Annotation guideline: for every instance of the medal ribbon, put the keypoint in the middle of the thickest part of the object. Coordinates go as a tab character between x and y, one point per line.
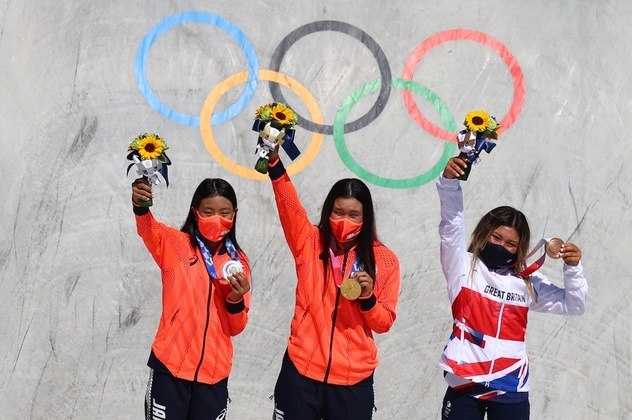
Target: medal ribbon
335	264
538	263
208	259
230	247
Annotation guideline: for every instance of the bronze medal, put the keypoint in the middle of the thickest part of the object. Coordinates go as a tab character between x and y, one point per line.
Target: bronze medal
553	247
350	289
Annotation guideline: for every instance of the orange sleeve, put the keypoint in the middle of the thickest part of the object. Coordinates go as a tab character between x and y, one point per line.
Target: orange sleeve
161	241
237	320
297	228
381	316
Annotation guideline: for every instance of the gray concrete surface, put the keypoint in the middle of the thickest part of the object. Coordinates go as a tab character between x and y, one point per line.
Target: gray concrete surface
80	295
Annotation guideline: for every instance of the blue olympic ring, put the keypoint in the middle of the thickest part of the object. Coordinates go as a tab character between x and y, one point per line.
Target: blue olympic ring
340	126
197	17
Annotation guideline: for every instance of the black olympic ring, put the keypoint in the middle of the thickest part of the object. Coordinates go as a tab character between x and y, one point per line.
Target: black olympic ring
359	34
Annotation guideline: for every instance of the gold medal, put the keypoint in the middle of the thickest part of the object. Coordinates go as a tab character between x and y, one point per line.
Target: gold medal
553	247
350	289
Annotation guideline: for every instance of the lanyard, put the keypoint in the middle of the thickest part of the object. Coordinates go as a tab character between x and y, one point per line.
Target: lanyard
208	259
335	265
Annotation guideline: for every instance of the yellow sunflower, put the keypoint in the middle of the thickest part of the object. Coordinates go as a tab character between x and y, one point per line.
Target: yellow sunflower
150	146
283	114
477	120
263	112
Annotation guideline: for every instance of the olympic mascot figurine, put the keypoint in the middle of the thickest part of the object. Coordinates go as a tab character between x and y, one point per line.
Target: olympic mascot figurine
481	130
274	124
147	152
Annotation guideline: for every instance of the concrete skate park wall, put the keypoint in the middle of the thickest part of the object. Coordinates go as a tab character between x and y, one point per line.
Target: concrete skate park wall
381	88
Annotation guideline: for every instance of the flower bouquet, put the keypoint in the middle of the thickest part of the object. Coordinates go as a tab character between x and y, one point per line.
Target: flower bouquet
481	130
274	124
147	152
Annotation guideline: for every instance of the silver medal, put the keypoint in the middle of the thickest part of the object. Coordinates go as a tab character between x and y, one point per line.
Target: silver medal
231	267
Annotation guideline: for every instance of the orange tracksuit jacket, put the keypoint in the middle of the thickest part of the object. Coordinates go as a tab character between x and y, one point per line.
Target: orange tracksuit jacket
331	338
194	335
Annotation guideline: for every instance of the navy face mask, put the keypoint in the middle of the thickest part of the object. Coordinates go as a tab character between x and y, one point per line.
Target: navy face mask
496	256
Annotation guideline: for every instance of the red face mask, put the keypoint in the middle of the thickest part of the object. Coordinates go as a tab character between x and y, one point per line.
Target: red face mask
344	230
214	228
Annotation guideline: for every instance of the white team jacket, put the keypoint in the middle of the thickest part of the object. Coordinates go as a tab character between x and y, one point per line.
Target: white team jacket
487	344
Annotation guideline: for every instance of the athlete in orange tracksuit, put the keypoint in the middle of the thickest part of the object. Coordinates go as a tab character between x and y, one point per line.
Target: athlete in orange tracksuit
202	307
327	371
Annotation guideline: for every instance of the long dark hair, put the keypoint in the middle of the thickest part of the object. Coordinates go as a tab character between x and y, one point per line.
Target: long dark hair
502	216
210	187
351	188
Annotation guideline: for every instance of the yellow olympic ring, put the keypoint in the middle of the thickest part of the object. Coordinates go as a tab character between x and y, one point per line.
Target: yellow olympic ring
224	86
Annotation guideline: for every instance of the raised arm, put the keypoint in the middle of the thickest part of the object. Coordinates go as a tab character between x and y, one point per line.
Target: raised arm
297	228
453	250
158	237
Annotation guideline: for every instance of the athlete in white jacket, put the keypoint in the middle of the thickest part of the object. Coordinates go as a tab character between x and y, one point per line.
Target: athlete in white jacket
485	360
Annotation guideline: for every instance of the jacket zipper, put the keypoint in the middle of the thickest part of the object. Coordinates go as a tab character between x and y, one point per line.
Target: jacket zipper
333	322
500	321
208	317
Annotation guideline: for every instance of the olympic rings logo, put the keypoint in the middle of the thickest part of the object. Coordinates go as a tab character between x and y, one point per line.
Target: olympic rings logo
315	123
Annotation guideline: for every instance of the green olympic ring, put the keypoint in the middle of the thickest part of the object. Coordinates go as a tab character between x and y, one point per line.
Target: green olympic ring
341	116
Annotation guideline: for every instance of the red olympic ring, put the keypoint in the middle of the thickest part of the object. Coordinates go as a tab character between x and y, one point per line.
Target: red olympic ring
469	35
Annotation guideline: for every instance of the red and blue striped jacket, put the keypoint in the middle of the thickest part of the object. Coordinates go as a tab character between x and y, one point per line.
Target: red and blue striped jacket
487	344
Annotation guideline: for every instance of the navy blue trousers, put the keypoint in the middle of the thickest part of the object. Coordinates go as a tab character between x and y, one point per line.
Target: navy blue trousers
297	397
171	398
460	406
